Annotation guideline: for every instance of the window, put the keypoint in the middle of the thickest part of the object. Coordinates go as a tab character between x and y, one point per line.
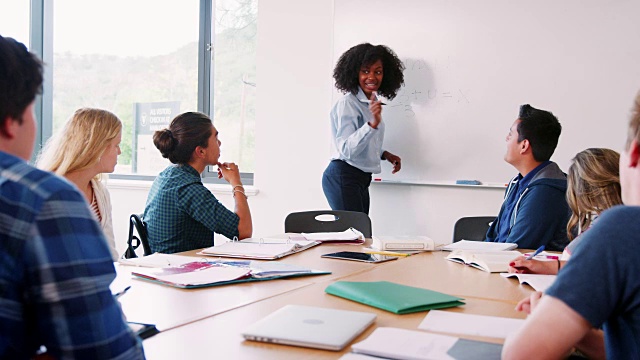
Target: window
14	20
147	61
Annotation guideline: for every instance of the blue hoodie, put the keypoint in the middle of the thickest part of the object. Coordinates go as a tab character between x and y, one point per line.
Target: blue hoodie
540	214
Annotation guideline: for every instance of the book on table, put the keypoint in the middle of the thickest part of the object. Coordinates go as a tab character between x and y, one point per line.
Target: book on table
489	261
259	248
389	296
197	274
538	282
479	246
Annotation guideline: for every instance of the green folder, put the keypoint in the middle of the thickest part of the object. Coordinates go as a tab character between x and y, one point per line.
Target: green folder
396	298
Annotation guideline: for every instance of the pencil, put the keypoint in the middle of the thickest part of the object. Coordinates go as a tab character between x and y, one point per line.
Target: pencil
390	253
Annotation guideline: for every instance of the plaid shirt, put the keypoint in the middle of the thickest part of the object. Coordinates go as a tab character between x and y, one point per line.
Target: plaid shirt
55	271
181	214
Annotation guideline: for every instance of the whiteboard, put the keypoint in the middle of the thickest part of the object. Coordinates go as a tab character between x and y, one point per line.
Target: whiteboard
470	65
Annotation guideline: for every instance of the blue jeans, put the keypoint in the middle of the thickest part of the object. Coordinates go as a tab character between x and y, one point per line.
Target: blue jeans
346	187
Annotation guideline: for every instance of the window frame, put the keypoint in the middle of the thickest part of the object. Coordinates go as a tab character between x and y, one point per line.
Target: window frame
41	43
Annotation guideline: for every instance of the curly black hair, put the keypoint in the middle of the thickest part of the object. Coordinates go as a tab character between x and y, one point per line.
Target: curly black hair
347	70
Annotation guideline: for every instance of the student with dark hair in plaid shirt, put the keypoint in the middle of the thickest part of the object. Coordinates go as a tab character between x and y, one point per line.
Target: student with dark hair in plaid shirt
181	214
55	265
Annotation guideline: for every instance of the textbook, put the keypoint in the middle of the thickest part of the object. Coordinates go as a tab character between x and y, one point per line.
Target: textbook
392	297
394	343
538	282
489	261
199	274
262	249
479	246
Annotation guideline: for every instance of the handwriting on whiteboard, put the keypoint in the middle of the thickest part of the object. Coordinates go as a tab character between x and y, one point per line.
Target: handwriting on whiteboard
420	87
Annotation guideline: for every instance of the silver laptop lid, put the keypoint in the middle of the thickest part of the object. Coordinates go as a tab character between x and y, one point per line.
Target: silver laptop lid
310	326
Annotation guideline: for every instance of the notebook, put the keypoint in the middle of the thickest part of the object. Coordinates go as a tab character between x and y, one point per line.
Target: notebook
489	261
198	274
537	281
479	246
310	326
263	249
396	298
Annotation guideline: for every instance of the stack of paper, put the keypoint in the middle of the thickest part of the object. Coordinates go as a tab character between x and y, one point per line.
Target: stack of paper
350	235
393	343
468	324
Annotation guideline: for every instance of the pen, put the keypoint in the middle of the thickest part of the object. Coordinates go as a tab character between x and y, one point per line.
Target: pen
124	291
390	253
536	252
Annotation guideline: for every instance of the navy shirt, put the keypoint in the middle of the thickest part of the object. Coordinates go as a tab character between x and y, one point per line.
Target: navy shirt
607	257
519	184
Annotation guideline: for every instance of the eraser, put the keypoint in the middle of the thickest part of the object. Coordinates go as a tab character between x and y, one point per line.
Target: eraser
468	182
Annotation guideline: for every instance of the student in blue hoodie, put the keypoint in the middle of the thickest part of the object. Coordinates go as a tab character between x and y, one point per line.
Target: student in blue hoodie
535	210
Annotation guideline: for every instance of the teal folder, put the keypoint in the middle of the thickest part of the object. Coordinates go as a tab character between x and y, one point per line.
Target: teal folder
396	298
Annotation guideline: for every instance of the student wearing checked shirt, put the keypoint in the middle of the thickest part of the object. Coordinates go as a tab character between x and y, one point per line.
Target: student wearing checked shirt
55	264
181	214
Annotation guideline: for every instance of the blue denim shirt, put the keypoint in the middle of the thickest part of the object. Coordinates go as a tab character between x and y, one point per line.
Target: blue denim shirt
354	141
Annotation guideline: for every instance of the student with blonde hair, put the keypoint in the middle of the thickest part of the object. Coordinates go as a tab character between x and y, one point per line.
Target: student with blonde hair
87	147
56	268
593	187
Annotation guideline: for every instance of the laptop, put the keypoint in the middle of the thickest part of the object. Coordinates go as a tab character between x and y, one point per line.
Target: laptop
310	326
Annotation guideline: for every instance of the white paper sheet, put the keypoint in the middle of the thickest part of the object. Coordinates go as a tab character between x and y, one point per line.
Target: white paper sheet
468	324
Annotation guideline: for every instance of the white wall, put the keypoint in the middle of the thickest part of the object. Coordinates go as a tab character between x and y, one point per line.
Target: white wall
293	138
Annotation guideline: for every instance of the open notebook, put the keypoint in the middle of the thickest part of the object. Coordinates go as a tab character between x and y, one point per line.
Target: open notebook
263	249
538	282
489	261
479	246
197	274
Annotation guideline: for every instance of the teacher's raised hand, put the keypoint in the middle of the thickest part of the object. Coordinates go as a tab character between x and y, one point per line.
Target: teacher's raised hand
375	106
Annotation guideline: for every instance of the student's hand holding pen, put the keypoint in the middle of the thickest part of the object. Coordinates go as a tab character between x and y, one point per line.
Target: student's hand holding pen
521	265
375	106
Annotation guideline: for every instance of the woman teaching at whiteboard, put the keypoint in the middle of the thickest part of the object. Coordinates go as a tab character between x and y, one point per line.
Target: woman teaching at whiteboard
362	72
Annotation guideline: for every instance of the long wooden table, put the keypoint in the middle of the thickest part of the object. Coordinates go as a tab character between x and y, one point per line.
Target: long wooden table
168	307
208	322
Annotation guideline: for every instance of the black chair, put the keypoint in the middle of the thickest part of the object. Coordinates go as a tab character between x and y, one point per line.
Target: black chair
472	228
308	222
136	224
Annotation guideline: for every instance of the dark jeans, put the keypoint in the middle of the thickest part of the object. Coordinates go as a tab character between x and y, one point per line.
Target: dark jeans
346	187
